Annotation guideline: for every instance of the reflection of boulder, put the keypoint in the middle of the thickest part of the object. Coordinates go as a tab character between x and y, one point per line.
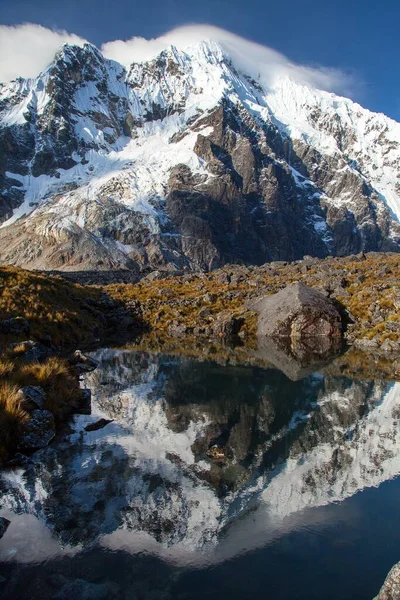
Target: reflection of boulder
298	358
297	311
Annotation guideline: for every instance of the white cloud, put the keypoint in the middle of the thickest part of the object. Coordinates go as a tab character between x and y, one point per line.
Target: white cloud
27	49
254	59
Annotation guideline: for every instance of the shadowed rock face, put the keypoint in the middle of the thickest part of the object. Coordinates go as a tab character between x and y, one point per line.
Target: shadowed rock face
138	170
297	311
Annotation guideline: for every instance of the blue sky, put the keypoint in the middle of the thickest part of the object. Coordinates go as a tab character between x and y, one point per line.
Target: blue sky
361	37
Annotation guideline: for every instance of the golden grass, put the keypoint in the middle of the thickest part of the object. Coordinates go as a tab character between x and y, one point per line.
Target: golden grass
47	372
6	367
12	417
182	299
18	350
58	380
52	305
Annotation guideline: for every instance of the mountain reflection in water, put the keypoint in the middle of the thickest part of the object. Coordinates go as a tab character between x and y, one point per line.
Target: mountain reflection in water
202	463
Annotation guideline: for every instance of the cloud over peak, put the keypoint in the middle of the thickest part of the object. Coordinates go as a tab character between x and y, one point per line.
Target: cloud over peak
257	60
27	49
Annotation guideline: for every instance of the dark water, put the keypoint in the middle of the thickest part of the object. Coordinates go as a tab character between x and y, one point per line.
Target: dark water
211	482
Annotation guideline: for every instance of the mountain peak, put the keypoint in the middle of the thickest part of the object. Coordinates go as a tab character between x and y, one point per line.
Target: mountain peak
196	157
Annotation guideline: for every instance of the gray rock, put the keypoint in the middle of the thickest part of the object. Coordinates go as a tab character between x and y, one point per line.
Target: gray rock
4	523
227	326
391	588
16	325
366	344
297	311
33	397
390	347
34	350
39	430
177	329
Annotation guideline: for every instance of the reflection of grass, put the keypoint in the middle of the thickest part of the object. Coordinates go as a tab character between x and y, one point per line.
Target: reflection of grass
364	365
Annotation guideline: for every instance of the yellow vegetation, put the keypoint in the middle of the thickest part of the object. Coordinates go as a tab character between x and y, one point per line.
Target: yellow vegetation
12	417
183	299
52	305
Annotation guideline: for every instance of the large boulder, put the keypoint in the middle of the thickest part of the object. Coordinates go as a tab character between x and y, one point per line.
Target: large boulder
297	311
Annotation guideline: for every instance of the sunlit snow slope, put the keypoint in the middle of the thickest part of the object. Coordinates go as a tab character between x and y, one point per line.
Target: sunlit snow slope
185	162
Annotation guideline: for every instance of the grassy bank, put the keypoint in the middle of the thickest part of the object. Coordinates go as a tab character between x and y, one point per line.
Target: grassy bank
368	287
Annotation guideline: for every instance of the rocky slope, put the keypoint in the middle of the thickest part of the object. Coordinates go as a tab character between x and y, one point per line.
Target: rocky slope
183	162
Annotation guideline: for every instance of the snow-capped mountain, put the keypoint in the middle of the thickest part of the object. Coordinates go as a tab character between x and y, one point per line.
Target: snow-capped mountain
185	162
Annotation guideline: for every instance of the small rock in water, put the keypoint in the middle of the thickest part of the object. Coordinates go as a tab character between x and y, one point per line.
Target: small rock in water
98	424
83	362
217	453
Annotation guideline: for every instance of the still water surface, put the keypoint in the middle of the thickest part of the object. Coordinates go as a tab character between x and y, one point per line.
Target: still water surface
211	482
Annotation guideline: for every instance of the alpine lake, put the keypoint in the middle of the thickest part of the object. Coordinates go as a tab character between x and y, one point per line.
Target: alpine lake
198	478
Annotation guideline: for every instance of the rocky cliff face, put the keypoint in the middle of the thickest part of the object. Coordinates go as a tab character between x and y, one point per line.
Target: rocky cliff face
184	162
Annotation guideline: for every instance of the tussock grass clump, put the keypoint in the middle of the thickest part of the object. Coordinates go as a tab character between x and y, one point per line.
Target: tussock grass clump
47	372
56	377
12	417
6	367
18	350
